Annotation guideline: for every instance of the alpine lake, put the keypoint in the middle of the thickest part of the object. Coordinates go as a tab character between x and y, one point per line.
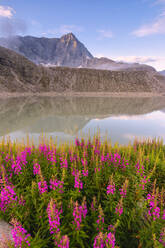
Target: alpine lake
119	119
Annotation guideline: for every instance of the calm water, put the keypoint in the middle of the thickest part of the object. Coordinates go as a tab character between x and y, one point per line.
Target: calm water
65	118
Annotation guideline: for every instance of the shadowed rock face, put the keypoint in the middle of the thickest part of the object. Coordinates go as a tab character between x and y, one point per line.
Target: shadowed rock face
17	73
67	114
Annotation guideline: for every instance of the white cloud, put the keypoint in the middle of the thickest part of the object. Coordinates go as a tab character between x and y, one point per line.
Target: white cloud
105	33
137	59
157	116
156	27
6	11
63	29
158	62
160	2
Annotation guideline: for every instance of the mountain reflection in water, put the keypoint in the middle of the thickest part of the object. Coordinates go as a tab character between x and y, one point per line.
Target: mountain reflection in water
66	117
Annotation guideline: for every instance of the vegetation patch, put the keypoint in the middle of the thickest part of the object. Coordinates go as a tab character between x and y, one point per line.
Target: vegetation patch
88	194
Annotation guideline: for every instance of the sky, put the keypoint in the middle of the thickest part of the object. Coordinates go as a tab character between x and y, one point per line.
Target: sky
123	30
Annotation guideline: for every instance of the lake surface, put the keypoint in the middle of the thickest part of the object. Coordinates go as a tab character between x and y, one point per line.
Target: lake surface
65	118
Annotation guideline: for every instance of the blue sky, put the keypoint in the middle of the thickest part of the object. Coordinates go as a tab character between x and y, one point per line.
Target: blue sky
129	30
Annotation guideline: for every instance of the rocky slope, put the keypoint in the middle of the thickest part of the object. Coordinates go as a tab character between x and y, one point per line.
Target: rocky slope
18	74
65	51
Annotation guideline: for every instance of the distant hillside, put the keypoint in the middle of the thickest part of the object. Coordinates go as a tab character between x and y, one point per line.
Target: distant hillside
162	72
65	51
18	74
108	64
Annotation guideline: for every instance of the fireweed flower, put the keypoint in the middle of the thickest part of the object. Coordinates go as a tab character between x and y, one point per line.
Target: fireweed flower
42	186
143	182
139	169
20	162
54	217
153	210
20	236
119	207
79	212
51	156
55	185
110	240
163	217
111	189
123	190
7	197
36	169
84	170
111	186
84	208
43	149
100	220
78	183
99	241
162	237
21	201
77	142
63	163
64	242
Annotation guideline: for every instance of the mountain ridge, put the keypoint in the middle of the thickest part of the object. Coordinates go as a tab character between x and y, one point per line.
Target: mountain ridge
65	51
18	74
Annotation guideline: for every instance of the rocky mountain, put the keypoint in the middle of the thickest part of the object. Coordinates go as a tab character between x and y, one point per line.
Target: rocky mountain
65	51
18	74
162	72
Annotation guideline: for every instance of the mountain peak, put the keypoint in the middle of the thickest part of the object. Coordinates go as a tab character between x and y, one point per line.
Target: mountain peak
69	36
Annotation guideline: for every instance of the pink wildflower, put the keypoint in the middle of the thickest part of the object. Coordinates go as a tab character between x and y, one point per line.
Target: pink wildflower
20	236
110	240
54	217
99	241
78	183
36	169
7	197
42	186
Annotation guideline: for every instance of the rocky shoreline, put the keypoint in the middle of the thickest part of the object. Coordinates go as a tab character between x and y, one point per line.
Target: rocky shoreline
81	94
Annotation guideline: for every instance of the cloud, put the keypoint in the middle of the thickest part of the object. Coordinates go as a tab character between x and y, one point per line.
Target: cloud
8	24
157	62
10	27
105	33
137	59
160	2
63	29
6	11
157	27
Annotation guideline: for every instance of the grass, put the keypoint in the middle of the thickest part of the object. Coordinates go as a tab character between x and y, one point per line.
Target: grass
87	194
